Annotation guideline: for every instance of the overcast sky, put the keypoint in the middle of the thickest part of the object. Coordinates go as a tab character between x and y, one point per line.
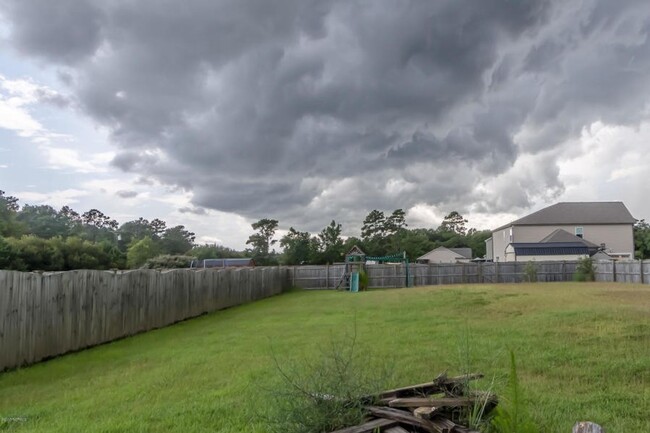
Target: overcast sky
214	114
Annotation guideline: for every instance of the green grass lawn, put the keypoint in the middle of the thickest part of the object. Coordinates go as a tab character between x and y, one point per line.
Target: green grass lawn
583	353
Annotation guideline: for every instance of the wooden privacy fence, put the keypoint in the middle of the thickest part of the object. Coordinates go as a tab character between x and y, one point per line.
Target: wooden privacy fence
44	315
389	275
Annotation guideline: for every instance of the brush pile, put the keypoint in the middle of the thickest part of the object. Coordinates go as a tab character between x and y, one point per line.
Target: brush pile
434	407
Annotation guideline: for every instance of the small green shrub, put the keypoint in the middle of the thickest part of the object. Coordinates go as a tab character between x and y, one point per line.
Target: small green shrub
167	261
530	272
363	279
586	270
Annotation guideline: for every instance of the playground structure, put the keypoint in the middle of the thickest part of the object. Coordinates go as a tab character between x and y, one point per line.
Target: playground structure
355	262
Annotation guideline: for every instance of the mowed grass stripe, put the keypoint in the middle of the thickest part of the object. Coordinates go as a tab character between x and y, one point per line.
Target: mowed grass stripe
583	352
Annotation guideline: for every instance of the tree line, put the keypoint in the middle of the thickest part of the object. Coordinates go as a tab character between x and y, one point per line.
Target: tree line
40	237
380	235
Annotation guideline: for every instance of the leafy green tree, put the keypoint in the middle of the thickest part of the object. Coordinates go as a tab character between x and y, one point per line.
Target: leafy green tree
642	239
133	231
476	241
158	227
6	254
33	253
97	226
297	247
395	222
207	251
83	254
262	240
331	243
8	210
374	225
396	230
177	240
141	251
373	233
416	243
43	221
72	220
454	223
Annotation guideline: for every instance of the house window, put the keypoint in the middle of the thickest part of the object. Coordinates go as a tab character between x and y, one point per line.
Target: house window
579	232
510	234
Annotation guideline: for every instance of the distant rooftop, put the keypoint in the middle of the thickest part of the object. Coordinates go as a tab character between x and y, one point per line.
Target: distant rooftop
563	236
569	213
465	252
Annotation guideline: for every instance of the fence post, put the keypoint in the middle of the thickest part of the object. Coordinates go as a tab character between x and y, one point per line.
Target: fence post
480	272
614	270
564	270
496	272
463	280
641	269
327	276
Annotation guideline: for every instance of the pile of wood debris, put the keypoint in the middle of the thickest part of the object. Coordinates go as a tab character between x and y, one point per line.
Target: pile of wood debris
433	407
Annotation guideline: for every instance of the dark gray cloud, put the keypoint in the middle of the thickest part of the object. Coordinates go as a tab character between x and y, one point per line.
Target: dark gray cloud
62	31
193	210
304	110
126	194
49	97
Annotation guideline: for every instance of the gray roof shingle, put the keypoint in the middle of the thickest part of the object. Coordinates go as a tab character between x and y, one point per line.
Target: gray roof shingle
465	252
595	212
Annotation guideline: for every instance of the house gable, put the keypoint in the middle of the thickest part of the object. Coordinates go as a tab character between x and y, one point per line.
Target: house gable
446	255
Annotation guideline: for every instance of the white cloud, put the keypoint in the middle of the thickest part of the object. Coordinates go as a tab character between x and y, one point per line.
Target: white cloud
60	158
56	199
612	164
16	97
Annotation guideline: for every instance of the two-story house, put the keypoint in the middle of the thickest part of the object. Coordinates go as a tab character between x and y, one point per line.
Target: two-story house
577	229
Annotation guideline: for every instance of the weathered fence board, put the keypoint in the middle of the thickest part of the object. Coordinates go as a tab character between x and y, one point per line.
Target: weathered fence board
45	315
394	275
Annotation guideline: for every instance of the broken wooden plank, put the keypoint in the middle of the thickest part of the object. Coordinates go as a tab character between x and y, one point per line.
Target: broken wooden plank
369	427
450	426
432	402
403	417
441	384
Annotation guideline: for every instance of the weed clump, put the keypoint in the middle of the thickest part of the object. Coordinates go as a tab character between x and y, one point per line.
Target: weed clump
513	416
586	270
327	393
530	272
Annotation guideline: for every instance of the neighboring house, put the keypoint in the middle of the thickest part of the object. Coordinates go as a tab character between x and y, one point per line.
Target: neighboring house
223	263
565	231
559	245
446	255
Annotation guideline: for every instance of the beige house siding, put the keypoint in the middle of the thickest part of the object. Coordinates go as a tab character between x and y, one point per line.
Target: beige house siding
443	255
489	250
618	238
500	240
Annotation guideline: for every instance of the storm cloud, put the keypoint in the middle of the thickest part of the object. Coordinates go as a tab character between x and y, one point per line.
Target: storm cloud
308	110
